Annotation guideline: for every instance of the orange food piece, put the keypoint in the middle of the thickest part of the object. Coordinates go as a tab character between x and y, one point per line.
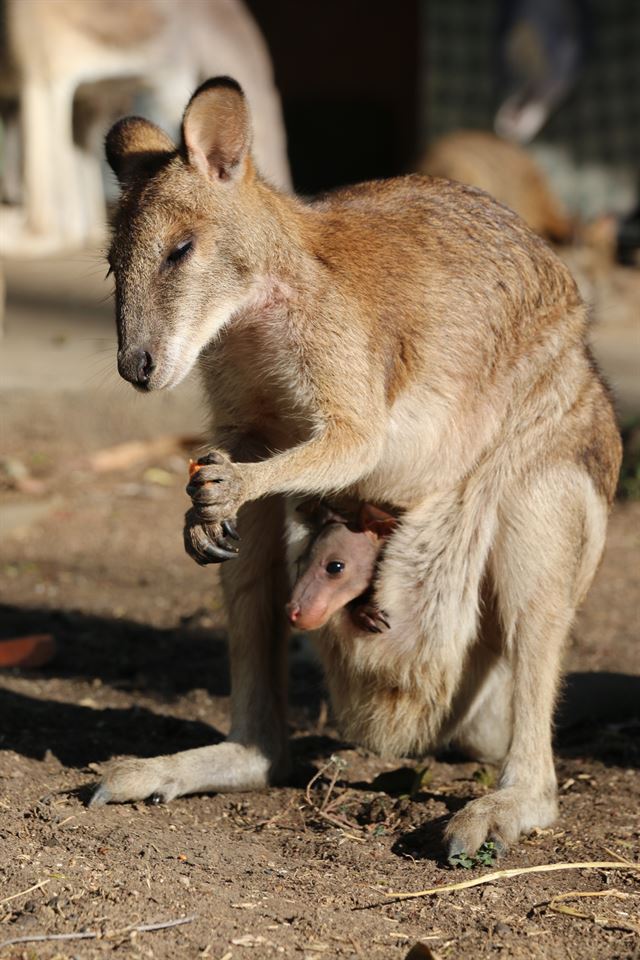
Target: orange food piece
31	651
194	466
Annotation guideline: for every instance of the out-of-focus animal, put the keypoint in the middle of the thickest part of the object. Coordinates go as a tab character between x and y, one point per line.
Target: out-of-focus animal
64	57
541	50
589	249
612	293
504	170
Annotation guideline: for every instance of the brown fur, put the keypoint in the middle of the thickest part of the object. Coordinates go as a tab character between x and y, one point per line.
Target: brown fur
411	343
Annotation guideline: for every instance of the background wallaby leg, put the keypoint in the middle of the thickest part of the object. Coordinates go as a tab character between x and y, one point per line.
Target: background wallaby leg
545	555
256	752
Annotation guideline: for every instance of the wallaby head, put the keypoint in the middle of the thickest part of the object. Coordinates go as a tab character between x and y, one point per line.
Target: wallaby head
185	249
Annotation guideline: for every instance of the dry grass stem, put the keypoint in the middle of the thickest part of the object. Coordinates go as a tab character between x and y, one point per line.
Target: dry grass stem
322	810
23	893
555	905
515	872
96	935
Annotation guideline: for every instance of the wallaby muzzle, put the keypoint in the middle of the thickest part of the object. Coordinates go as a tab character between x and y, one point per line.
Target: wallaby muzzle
136	365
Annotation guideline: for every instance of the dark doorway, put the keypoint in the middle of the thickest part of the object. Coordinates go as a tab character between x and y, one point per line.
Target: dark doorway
347	71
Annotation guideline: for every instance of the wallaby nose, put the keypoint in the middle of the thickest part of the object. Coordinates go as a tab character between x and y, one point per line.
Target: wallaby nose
293	612
136	365
145	367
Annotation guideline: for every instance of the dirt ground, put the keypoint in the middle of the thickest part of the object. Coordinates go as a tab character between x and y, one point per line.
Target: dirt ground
141	669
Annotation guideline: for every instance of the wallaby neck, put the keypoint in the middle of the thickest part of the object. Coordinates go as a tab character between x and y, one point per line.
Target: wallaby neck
289	239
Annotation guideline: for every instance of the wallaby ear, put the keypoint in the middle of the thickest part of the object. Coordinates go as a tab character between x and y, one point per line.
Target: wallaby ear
216	129
376	521
135	147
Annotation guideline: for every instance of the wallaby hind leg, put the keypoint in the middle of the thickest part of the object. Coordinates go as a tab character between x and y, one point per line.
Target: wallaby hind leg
256	752
484	733
546	552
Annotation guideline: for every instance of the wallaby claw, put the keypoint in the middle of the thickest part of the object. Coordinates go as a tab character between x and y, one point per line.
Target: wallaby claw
371	619
217	552
229	530
206	542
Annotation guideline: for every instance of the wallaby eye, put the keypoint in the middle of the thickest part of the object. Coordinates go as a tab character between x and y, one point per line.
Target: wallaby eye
334	568
180	252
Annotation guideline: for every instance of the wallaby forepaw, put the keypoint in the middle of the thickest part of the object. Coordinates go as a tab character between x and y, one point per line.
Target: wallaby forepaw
216	488
368	617
209	542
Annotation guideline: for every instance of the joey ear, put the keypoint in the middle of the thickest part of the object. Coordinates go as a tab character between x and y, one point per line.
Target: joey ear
216	129
376	521
318	513
135	146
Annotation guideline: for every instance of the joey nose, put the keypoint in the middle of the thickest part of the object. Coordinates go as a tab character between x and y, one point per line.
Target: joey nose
293	612
136	365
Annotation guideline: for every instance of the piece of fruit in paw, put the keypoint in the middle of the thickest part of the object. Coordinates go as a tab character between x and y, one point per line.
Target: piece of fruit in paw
194	466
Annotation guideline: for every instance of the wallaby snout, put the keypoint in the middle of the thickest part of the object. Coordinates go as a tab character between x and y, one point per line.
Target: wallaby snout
136	365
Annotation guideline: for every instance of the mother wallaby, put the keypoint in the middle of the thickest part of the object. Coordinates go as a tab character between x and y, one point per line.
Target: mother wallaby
407	342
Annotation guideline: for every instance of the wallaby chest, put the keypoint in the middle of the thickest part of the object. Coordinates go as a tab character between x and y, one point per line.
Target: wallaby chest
253	382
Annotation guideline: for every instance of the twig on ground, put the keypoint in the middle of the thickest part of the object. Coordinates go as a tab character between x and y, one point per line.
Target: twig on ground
338	801
96	935
620	856
163	925
263	824
307	790
571	894
22	893
322	810
343	825
514	872
338	767
555	905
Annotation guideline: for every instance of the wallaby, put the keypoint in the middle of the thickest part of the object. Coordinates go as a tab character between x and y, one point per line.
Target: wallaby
405	342
336	570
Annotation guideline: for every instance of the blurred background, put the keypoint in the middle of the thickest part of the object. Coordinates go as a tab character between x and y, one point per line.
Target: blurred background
536	101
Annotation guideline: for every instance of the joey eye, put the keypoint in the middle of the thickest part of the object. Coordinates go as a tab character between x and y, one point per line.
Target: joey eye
334	568
179	252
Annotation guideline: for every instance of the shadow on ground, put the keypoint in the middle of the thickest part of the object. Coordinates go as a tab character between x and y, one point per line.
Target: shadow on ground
123	653
129	655
78	735
595	717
